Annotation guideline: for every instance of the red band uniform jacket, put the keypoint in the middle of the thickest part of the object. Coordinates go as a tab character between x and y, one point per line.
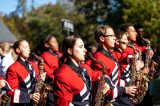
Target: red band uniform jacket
51	62
124	66
21	77
142	49
112	72
73	85
125	69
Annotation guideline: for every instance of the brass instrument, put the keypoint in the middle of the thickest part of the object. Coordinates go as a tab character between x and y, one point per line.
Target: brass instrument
4	100
148	43
147	60
100	97
138	79
40	86
152	69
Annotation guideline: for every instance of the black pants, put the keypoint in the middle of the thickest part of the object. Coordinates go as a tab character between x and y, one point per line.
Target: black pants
124	100
50	99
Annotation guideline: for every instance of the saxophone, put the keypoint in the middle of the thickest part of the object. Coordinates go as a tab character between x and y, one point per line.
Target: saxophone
147	62
152	69
40	86
138	79
100	97
4	100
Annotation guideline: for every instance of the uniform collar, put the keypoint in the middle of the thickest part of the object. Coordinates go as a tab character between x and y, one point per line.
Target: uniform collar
53	53
106	53
100	49
72	65
22	61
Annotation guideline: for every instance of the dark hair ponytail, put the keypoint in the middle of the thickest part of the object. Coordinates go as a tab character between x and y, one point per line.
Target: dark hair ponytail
17	44
67	43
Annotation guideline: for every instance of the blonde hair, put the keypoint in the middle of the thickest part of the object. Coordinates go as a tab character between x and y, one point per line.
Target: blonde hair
101	30
5	46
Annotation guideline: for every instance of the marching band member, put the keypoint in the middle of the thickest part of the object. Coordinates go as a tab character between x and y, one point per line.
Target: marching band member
132	37
120	47
48	50
21	76
124	67
141	41
2	81
105	36
7	57
73	81
51	55
143	48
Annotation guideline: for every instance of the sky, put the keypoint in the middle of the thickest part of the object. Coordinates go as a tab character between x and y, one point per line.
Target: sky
7	6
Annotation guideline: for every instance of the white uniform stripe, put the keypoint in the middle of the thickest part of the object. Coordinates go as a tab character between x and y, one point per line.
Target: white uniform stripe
127	68
86	98
116	83
127	75
83	90
122	83
110	80
70	104
128	79
115	93
27	78
16	96
112	100
34	74
115	69
29	91
114	77
28	85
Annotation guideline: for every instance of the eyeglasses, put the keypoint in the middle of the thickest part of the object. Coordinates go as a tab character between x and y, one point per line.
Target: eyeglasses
109	35
122	42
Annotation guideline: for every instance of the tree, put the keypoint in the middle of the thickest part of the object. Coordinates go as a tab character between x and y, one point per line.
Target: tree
46	20
98	12
21	8
145	12
116	12
43	21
